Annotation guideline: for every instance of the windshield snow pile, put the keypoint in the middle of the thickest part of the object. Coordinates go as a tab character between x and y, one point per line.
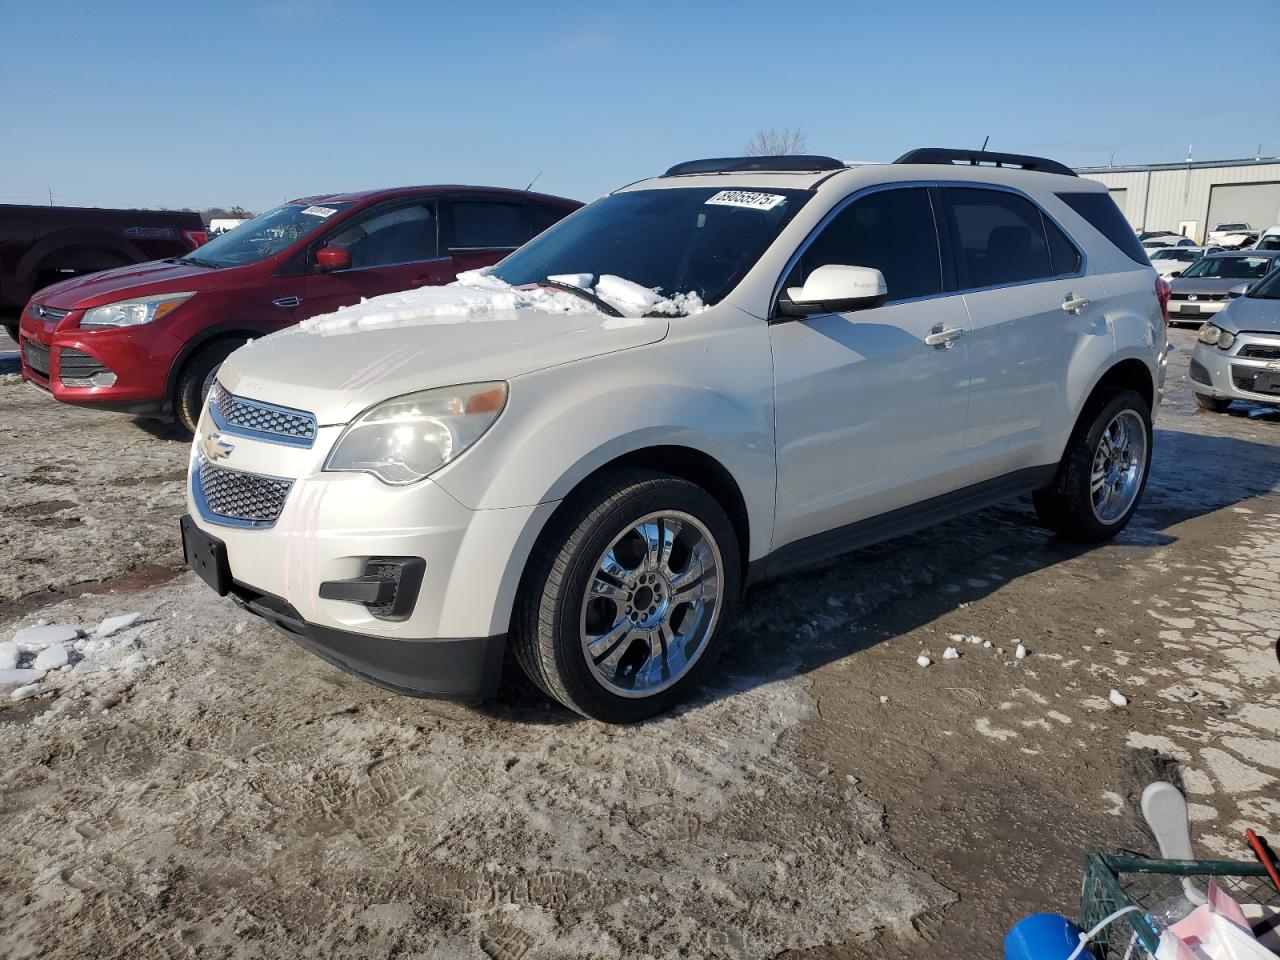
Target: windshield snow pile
478	296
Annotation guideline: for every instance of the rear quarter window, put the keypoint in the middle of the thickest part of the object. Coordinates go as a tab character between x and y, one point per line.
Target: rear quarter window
1105	217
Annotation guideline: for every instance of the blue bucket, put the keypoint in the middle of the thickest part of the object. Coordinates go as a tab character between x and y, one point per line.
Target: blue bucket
1043	936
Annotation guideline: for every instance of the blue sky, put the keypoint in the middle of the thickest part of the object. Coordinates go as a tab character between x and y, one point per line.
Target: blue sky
187	104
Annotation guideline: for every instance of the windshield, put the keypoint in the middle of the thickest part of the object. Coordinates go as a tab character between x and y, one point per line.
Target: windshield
687	240
265	235
1233	226
1270	242
1268	289
1183	254
1229	268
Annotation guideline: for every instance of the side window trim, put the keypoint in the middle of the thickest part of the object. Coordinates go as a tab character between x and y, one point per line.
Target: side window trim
839	208
1082	266
432	200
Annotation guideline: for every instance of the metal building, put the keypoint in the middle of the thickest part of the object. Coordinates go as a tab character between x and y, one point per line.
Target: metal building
1193	197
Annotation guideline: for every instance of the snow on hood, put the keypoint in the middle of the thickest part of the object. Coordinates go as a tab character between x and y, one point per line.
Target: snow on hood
477	296
477	330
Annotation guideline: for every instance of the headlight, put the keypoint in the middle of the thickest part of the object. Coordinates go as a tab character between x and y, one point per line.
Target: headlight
1209	334
1225	340
132	313
413	436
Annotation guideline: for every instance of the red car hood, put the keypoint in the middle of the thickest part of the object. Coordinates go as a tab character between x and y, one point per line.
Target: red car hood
135	280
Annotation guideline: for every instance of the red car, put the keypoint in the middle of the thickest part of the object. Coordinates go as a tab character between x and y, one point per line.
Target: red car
146	339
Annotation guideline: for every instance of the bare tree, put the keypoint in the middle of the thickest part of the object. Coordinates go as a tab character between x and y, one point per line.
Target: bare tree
776	143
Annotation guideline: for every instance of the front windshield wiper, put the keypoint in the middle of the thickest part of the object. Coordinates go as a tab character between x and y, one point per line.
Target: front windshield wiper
602	305
199	262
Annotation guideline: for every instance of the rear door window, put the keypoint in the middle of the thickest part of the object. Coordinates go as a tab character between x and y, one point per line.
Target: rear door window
488	224
1001	238
890	230
1105	217
543	215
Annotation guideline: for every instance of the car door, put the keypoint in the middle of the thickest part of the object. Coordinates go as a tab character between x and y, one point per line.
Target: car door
868	416
1032	309
393	246
483	230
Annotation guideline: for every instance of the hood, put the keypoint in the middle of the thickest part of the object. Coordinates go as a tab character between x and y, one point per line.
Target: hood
135	280
1206	284
338	373
1250	313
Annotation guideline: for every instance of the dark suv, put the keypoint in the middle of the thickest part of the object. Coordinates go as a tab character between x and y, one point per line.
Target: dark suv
145	339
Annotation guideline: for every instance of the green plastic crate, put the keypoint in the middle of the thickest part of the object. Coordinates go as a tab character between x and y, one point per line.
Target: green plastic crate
1114	880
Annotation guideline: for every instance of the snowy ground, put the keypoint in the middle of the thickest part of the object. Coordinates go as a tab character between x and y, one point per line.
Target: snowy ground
192	783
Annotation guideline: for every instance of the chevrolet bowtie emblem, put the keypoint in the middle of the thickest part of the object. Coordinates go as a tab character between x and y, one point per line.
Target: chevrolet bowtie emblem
215	448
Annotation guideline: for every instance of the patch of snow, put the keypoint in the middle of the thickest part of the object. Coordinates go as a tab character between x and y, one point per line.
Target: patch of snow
52	657
35	639
8	656
30	690
1020	652
923	660
951	653
113	625
884	699
19	678
1118	699
984	727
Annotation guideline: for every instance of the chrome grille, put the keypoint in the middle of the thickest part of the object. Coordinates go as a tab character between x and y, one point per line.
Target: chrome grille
249	498
1202	297
48	313
262	420
37	356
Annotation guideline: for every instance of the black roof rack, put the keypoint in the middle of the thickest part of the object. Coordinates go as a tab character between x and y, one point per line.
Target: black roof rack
788	163
976	157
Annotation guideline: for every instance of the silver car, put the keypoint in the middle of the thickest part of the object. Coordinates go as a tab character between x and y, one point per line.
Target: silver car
1237	356
1203	289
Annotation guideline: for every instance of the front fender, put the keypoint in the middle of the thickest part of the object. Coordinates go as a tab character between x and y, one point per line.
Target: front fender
711	392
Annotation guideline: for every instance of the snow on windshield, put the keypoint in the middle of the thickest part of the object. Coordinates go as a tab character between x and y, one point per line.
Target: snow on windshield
478	296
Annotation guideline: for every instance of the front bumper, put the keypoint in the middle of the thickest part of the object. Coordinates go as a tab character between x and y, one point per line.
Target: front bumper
456	669
1194	311
1241	373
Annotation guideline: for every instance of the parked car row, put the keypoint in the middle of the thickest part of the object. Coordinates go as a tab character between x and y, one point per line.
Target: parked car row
146	338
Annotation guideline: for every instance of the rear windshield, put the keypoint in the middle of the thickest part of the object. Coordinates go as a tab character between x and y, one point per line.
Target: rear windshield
266	234
1101	211
1230	268
682	240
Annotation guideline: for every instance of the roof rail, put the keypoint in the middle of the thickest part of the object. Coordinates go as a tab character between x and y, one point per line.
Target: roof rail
976	157
788	163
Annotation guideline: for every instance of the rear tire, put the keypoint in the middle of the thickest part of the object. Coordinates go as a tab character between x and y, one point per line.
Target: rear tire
627	596
1104	471
1212	404
196	379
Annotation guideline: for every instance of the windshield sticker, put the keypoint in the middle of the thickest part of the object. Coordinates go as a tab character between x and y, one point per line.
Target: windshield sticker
746	198
319	212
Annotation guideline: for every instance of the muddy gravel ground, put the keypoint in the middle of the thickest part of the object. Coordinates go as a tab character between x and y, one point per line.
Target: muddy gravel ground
192	784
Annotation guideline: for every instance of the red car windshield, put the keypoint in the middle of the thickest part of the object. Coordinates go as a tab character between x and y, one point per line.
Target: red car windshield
266	234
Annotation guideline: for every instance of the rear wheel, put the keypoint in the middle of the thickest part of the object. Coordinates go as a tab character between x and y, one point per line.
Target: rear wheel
1104	470
196	380
628	596
1212	404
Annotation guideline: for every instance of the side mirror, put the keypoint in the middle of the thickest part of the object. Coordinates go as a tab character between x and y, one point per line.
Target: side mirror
329	259
1239	290
835	288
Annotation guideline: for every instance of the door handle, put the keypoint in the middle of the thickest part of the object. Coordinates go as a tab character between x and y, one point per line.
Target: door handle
942	337
1075	305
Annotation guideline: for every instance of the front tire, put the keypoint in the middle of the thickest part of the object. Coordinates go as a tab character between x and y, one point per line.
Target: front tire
1212	404
196	379
628	595
1104	471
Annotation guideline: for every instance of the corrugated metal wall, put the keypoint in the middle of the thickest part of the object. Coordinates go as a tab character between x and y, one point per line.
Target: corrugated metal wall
1172	196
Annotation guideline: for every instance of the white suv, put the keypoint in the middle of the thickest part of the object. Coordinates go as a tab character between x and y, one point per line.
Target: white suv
584	455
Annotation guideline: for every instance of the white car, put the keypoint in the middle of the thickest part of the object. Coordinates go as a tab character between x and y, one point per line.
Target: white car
1232	235
585	454
1171	261
1167	241
1270	239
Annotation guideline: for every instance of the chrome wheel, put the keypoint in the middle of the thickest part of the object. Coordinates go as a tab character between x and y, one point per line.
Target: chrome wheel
652	604
1118	466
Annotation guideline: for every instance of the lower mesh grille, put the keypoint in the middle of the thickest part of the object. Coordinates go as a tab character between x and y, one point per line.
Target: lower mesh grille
37	356
75	365
235	495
